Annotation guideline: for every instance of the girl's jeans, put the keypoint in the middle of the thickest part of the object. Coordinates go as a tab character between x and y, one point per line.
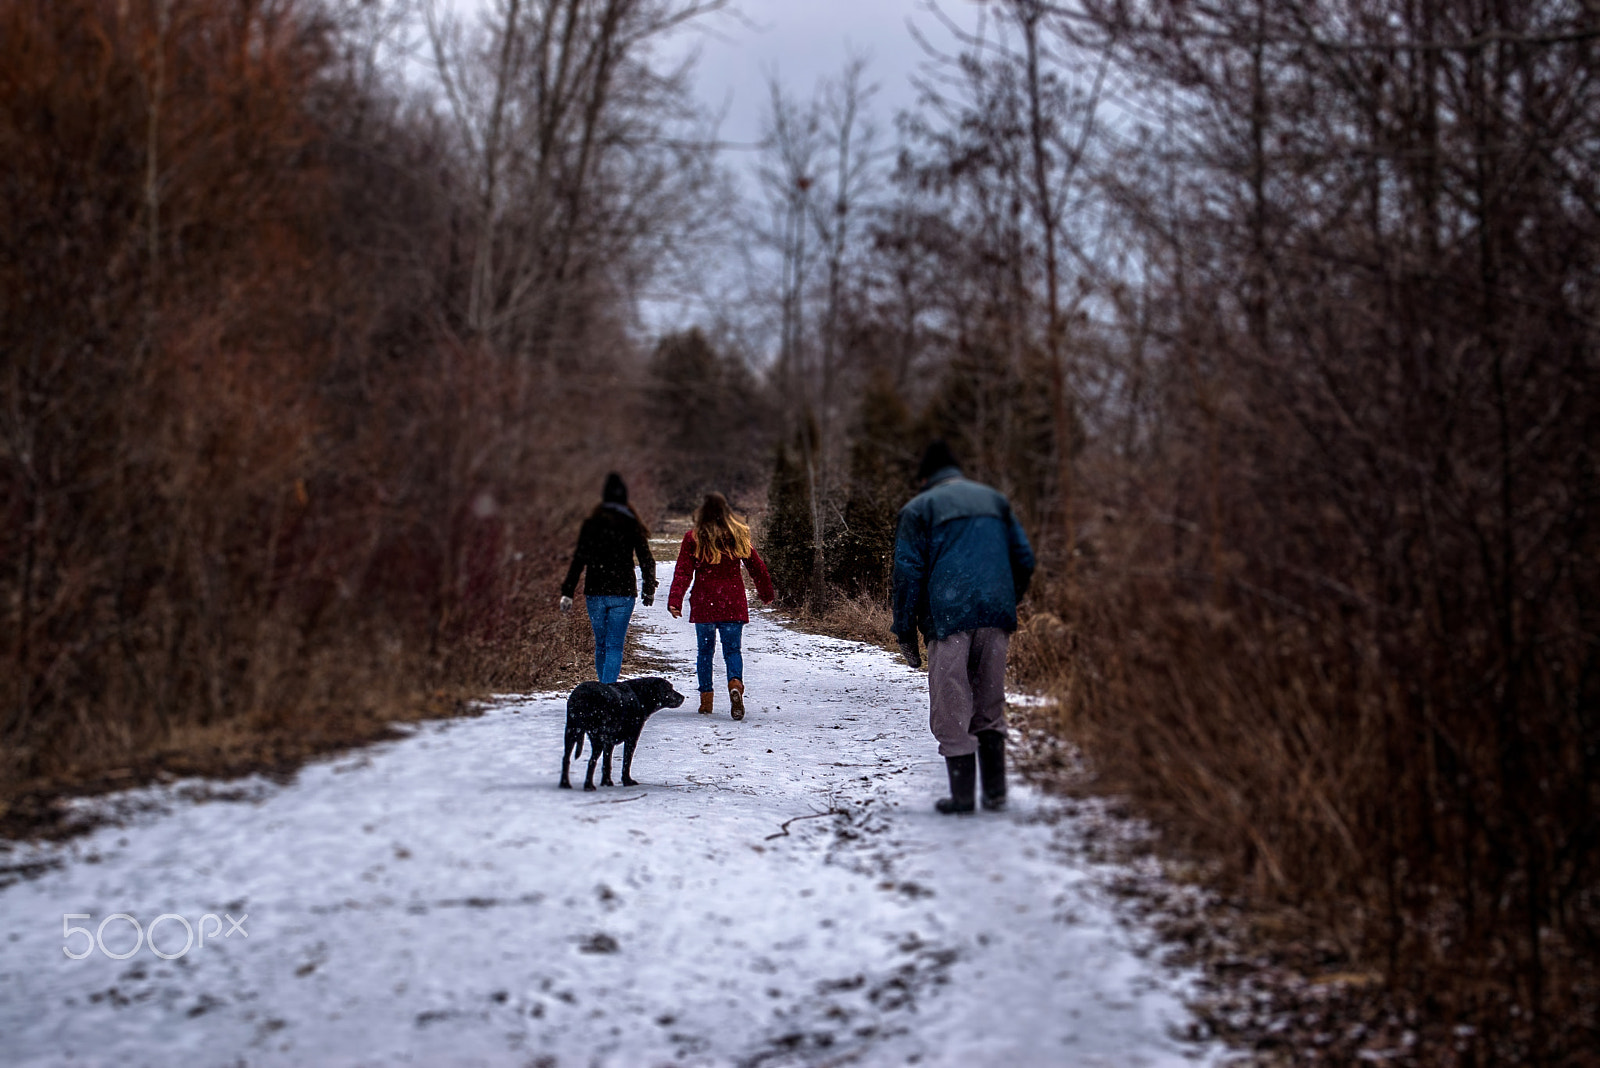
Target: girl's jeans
609	617
705	635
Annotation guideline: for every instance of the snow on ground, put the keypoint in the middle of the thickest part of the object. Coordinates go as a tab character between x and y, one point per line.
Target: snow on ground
438	901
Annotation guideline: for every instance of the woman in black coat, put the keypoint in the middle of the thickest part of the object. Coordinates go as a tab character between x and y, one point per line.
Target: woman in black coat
610	539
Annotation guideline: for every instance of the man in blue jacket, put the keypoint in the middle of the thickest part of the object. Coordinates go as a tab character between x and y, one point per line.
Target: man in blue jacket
961	563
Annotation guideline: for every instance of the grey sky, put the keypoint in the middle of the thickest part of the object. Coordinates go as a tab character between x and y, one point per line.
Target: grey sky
803	41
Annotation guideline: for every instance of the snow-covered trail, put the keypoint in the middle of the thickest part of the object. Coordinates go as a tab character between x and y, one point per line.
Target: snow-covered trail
438	901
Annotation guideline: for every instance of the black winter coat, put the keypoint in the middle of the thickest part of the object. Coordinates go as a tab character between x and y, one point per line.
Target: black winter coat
607	544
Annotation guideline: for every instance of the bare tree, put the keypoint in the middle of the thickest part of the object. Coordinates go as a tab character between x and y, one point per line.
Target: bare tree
855	172
820	164
1378	217
551	99
286	422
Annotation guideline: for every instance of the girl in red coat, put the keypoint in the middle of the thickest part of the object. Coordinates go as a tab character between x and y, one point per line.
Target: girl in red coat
709	557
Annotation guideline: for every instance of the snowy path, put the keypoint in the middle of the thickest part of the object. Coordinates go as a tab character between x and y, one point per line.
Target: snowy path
437	901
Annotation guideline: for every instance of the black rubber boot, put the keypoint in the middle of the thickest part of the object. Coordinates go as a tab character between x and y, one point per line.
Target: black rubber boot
963	777
992	768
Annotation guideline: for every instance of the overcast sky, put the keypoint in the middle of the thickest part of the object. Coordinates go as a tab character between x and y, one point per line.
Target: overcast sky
804	41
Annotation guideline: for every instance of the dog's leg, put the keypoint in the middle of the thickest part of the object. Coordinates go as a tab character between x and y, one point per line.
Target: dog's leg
627	764
594	755
605	768
567	754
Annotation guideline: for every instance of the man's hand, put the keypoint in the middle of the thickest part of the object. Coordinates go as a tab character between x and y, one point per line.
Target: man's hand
566	604
677	613
908	649
649	598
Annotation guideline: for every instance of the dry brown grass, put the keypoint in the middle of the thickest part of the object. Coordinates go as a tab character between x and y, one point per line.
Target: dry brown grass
347	696
1265	751
860	619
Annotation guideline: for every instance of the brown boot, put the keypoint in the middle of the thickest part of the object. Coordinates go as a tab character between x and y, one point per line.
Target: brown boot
705	702
736	696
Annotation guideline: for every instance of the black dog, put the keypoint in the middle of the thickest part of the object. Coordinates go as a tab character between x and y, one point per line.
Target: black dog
610	713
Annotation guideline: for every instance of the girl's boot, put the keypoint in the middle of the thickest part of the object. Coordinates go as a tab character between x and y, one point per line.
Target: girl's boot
736	696
705	702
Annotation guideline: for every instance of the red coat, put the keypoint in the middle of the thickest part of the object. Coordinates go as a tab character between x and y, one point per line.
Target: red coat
718	595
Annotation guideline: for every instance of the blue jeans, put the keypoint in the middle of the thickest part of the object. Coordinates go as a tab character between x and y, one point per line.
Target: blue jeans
705	636
609	617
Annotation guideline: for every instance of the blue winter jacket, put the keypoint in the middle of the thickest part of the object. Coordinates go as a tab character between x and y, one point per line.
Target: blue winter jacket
961	560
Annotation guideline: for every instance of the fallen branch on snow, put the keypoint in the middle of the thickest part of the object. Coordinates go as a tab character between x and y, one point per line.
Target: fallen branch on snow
784	832
612	801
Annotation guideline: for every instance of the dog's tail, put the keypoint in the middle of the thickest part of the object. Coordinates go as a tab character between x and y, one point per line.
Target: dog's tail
577	750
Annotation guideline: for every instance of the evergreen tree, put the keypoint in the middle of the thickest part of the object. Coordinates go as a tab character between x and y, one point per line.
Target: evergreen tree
882	461
997	418
712	419
788	545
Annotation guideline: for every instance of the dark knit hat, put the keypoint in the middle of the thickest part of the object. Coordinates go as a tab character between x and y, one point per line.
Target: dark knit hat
616	491
935	458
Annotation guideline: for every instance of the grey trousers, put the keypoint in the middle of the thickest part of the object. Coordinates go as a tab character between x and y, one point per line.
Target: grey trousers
967	688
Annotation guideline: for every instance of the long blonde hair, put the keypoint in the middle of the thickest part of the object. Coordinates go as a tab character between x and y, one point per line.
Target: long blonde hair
717	531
